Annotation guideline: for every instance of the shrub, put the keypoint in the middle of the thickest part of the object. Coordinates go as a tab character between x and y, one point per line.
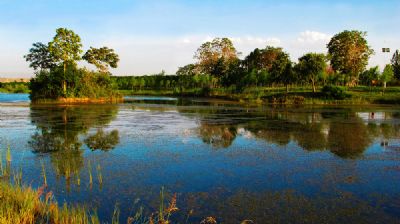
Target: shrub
334	92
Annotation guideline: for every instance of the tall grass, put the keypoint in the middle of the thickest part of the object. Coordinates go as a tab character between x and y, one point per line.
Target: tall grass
90	174
21	204
44	174
99	175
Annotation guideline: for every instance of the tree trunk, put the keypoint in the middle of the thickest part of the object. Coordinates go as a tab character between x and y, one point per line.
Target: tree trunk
313	85
287	88
384	84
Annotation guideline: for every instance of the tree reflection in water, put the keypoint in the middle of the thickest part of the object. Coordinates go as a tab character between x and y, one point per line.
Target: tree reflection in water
58	134
343	133
102	140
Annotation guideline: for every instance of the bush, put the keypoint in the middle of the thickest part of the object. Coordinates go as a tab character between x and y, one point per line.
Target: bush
81	83
334	92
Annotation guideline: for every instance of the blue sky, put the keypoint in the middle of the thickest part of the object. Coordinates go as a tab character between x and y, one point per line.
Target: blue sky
155	35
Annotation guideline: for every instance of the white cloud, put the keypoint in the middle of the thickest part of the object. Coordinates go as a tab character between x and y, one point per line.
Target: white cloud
313	37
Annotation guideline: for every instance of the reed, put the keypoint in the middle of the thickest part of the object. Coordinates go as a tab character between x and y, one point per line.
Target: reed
1	164
90	174
78	178
99	175
44	174
8	155
115	217
21	204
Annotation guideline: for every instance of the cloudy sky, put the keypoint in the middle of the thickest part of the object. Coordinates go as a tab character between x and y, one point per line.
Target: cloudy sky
151	36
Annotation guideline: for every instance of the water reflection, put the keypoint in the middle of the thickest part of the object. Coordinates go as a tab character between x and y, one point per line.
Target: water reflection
59	130
102	140
343	132
231	161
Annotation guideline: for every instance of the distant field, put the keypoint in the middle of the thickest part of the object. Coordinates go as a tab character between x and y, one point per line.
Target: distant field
7	80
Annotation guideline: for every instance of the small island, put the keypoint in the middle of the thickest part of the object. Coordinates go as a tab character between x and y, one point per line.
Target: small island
59	79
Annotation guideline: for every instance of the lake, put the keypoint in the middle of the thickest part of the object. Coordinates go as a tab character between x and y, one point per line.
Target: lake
269	164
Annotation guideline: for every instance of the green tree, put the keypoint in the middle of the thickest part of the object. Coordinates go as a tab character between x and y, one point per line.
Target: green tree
39	57
311	66
369	76
282	70
102	58
216	56
262	59
387	75
66	48
396	64
349	53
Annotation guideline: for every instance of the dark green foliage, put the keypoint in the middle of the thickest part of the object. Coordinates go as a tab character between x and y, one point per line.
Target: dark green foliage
40	57
102	58
396	64
370	76
59	76
334	92
80	83
311	68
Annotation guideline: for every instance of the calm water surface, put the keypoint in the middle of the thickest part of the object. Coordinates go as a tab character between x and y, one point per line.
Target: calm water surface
233	162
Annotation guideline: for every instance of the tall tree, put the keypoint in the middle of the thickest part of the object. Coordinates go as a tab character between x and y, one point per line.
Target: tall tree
262	59
66	48
387	75
349	53
39	57
282	70
396	64
311	66
102	58
216	56
370	76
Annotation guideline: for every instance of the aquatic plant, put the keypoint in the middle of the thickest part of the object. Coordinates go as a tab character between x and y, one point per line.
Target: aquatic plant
99	175
90	174
21	204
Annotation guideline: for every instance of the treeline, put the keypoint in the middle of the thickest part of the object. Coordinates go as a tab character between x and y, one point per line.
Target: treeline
14	87
218	65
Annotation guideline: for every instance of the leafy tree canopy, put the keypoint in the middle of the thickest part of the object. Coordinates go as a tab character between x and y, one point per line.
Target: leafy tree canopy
40	57
102	58
262	59
311	66
66	46
215	57
349	52
396	65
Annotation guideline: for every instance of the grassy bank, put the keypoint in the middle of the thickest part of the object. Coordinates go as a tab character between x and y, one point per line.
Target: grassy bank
278	95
